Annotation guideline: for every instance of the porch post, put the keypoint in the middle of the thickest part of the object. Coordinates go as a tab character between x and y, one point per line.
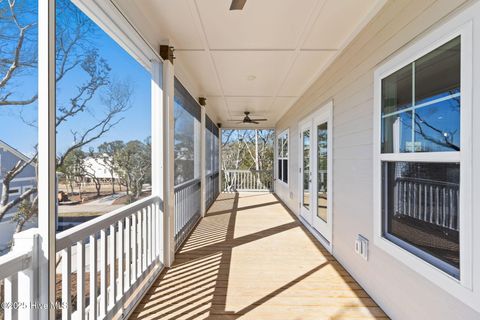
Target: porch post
46	183
203	186
168	160
220	174
157	148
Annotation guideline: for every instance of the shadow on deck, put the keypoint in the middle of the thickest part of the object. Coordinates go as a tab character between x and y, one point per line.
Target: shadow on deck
251	258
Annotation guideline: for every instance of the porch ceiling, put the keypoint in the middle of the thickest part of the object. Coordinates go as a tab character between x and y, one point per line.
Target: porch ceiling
260	59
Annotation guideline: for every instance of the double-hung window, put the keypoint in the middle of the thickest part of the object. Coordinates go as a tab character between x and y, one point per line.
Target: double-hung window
422	155
282	157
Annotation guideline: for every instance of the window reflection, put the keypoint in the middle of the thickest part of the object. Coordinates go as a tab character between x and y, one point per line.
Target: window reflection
306	169
421	104
421	206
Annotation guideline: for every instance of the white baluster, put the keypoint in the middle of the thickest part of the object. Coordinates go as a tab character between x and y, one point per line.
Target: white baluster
81	280
103	273
66	289
93	278
120	250
113	257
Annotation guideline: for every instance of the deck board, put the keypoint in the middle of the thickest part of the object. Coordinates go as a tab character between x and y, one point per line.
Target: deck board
250	258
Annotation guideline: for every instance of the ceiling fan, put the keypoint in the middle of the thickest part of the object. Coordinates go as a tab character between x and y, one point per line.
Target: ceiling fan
237	4
247	119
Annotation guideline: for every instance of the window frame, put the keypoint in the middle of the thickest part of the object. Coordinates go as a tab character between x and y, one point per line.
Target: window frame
282	134
463	286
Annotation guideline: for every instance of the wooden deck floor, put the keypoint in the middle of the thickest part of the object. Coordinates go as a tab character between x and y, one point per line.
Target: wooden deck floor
250	258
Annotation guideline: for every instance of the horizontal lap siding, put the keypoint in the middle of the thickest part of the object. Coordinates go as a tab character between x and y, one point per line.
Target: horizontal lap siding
349	82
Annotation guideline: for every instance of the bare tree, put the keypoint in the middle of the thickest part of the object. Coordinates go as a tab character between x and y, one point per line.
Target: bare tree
74	51
17	54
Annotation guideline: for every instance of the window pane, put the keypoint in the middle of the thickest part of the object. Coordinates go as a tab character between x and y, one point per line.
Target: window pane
397	90
437	74
280	169
285	170
285	146
437	127
397	133
421	209
279	147
322	162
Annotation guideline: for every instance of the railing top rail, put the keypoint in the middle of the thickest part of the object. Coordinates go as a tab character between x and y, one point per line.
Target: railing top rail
13	262
186	184
80	232
429	181
253	171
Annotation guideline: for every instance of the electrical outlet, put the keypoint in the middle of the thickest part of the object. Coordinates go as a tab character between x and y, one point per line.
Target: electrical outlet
361	246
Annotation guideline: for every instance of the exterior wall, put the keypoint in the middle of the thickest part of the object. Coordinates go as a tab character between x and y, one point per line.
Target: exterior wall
399	290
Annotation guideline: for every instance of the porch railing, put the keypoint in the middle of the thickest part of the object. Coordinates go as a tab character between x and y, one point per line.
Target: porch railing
109	254
430	201
212	188
120	248
187	209
17	271
247	180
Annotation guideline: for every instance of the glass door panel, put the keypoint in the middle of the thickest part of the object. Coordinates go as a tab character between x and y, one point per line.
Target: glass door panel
306	169
322	171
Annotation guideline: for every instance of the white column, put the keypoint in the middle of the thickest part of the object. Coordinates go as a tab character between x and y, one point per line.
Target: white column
46	155
220	175
203	186
157	147
168	162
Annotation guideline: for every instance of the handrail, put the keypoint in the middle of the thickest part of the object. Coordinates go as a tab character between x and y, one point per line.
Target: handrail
13	262
186	184
71	236
252	170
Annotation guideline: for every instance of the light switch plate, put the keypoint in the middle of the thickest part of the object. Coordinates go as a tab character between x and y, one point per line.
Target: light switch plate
361	246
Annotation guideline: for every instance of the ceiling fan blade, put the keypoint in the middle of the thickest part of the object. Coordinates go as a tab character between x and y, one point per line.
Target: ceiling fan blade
254	122
259	119
237	4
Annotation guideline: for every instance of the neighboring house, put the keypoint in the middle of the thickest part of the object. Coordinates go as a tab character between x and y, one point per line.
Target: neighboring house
97	167
24	181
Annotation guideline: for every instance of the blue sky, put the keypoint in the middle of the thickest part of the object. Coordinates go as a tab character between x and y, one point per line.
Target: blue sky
136	122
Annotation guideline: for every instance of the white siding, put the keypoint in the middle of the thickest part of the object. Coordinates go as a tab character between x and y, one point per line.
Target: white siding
402	293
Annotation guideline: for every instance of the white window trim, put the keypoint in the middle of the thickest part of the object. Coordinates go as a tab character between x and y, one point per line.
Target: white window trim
463	288
287	134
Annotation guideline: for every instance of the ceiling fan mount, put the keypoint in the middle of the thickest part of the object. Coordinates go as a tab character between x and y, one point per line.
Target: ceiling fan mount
237	4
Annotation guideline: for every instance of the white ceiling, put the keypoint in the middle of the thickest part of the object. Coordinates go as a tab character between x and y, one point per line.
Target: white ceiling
260	59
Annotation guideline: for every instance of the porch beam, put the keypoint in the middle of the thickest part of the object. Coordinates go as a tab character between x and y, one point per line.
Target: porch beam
168	162
46	157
